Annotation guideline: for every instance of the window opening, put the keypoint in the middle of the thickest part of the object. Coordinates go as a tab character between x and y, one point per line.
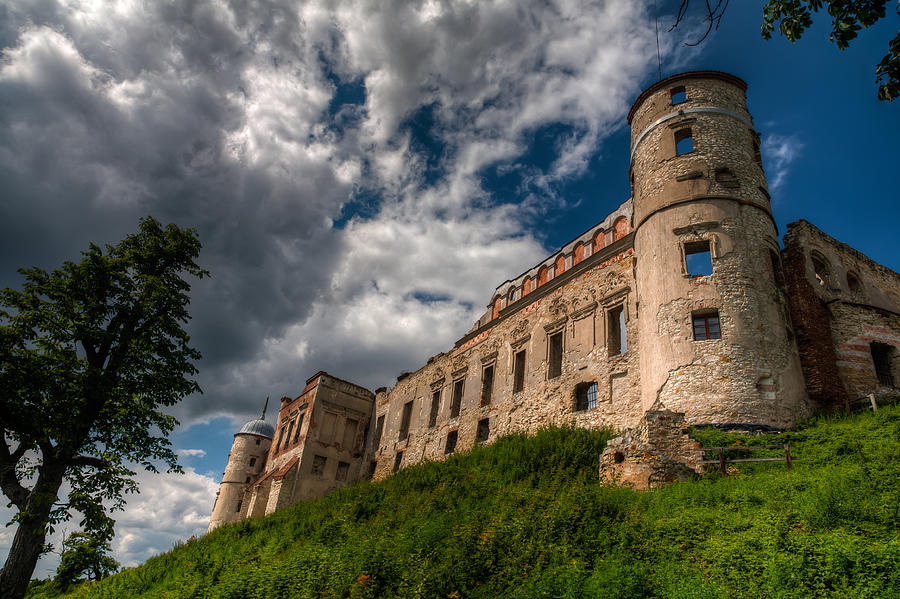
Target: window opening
457	397
679	95
698	258
373	465
257	441
379	427
238	508
820	267
483	431
542	275
684	141
487	384
318	465
350	430
290	432
450	446
404	421
247	480
398	460
586	396
299	424
853	283
252	462
280	439
343	470
519	372
881	356
435	406
554	367
706	326
560	266
616	335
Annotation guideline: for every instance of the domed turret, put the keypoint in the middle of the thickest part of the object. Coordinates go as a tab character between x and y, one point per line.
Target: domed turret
245	462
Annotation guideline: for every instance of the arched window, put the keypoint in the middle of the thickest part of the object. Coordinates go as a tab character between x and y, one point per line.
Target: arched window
821	269
512	295
621	228
578	254
542	276
853	283
496	310
598	241
560	265
526	286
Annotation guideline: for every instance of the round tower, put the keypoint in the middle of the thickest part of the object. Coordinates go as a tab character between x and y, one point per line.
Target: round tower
245	462
713	324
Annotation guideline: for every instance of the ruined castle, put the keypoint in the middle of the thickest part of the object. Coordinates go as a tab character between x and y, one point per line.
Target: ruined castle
681	299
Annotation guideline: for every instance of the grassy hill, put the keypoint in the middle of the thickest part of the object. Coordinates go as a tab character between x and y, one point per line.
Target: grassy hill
525	517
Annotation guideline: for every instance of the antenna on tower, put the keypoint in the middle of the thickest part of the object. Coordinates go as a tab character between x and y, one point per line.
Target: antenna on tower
656	22
266	405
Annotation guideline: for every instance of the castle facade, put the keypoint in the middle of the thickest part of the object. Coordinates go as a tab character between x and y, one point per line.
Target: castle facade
681	299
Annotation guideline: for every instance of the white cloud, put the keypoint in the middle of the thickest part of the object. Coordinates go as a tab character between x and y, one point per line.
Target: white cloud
779	151
193	453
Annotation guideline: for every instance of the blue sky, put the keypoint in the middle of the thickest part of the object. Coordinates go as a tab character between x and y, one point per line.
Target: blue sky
363	175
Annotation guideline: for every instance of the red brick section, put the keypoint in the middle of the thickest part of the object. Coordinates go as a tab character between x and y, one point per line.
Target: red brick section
542	276
621	228
526	288
560	265
598	241
812	327
578	255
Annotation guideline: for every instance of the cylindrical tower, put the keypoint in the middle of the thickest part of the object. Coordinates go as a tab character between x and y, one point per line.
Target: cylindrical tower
713	325
245	462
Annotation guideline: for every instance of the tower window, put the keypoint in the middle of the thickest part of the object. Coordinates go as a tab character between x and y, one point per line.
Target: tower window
379	427
679	95
616	335
450	446
247	481
698	258
398	460
483	432
684	141
706	325
586	396
435	406
487	385
238	507
252	462
257	441
457	397
554	364
404	421
519	372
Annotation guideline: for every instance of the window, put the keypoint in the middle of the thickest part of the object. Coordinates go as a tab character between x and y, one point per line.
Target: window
620	228
247	481
299	424
698	258
578	254
757	156
853	283
483	431
252	462
342	470
404	420
457	397
706	326
560	266
616	335
238	508
318	465
435	406
881	356
585	396
450	446
280	439
684	141
821	269
373	465
398	460
599	241
554	361
379	428
495	311
487	384
526	286
542	275
351	427
290	432
257	441
519	372
679	95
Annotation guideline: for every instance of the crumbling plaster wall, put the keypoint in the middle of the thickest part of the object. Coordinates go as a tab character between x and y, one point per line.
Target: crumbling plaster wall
580	309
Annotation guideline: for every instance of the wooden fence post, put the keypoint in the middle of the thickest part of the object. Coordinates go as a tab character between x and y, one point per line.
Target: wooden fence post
787	455
722	460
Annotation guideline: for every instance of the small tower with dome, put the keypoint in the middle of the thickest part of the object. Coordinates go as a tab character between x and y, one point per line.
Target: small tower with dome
245	462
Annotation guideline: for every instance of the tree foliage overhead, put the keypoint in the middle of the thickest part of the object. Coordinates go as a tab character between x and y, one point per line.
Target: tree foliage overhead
89	354
793	17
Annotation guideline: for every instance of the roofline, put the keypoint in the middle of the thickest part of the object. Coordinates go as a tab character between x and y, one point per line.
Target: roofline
728	77
324	373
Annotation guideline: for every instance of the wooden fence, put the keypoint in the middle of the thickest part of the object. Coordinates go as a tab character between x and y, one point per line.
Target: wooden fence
723	461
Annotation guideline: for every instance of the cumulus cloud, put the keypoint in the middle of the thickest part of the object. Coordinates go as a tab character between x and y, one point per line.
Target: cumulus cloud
779	151
193	453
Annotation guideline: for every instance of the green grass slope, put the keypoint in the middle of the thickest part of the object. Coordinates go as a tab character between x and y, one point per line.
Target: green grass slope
525	517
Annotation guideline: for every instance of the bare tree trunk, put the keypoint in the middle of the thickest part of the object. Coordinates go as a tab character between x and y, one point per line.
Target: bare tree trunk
28	544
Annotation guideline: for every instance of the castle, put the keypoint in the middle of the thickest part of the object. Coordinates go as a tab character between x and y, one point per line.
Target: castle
681	299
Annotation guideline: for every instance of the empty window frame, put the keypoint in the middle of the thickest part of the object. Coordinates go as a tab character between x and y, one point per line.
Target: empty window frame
435	407
678	94
299	424
318	465
586	396
616	335
351	427
252	462
398	460
343	470
290	433
456	400
684	141
487	384
379	428
706	325
280	438
373	466
554	355
404	421
519	372
882	355
698	258
450	445
238	507
247	480
483	432
853	283
821	269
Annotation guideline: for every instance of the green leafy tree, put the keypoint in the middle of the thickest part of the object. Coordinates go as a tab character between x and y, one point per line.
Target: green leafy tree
89	355
793	17
84	557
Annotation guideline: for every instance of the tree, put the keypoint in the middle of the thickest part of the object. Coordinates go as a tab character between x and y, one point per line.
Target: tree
84	556
793	17
89	355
